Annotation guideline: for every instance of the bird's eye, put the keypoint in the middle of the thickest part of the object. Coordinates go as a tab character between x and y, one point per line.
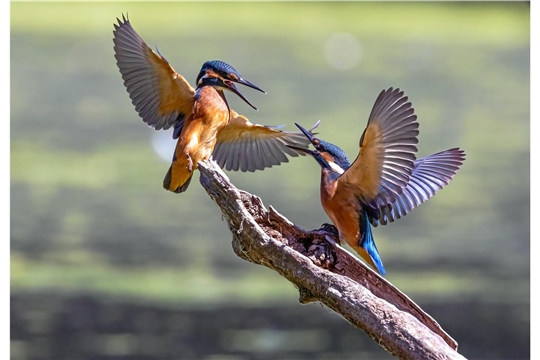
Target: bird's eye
316	142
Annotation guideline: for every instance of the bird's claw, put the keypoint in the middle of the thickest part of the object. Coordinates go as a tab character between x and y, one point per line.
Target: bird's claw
189	163
330	228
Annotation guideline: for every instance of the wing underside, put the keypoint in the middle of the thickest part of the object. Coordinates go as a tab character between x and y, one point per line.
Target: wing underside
161	96
387	149
248	147
430	174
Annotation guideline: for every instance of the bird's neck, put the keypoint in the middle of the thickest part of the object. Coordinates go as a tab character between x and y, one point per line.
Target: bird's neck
211	92
328	175
222	95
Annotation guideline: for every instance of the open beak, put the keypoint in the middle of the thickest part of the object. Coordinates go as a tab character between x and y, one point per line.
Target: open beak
300	150
230	86
308	134
251	85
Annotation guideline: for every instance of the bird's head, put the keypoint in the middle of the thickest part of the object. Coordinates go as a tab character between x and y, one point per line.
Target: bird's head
328	155
222	76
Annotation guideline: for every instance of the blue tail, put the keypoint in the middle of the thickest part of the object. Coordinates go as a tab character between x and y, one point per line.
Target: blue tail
368	243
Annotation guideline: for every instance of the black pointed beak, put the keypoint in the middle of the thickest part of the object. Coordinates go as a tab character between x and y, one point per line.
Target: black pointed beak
301	150
307	133
230	85
251	85
310	137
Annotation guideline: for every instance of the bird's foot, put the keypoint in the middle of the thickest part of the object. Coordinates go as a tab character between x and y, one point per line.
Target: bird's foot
189	165
330	228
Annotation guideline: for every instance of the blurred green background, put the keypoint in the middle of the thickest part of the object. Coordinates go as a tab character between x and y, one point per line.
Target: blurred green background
105	264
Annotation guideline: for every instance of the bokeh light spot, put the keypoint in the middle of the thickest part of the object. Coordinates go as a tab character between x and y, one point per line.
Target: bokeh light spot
163	144
343	51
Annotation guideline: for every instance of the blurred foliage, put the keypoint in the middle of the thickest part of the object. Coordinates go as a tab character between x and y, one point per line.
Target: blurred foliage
88	212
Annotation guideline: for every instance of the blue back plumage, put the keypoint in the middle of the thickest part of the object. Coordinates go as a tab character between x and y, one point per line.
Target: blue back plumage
368	243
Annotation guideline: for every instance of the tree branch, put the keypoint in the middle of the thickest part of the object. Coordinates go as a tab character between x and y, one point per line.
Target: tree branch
324	271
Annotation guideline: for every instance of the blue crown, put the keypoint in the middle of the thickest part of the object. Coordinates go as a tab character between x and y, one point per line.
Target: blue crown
220	67
340	158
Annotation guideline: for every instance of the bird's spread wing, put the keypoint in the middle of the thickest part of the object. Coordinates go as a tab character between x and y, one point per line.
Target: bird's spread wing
245	146
387	150
430	174
161	96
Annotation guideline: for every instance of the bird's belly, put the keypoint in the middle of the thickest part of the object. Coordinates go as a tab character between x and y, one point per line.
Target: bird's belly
201	138
345	216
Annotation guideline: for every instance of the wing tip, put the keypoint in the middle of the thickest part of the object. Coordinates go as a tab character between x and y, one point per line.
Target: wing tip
123	22
389	104
316	125
396	92
458	154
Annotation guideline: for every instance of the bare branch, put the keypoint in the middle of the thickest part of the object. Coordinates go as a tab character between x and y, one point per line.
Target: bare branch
324	271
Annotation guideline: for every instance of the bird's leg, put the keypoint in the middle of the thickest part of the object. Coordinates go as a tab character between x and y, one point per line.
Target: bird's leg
189	165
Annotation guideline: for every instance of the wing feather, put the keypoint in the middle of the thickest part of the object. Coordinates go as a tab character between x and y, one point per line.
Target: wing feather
245	146
268	155
387	149
161	96
429	175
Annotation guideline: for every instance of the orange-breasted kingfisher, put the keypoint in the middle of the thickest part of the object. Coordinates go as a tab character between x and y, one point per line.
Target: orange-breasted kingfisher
203	122
386	181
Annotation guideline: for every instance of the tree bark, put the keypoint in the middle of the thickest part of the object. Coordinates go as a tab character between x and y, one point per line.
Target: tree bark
324	271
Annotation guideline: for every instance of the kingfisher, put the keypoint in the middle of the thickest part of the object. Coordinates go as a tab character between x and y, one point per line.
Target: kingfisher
386	180
201	118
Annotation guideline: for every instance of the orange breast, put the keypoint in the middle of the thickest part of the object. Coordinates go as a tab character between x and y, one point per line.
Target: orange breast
210	115
343	209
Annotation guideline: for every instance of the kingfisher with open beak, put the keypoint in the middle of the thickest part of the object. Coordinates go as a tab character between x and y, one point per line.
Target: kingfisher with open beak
386	181
203	122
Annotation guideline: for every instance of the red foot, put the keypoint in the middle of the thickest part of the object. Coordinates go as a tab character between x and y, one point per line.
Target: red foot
189	163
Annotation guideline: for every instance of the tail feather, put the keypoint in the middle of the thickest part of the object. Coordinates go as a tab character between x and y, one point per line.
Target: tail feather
367	243
184	187
167	179
178	189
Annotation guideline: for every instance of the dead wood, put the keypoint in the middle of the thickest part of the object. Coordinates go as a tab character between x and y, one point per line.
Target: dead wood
324	271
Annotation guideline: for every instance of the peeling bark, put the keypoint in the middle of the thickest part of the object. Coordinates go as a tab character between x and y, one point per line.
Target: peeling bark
323	271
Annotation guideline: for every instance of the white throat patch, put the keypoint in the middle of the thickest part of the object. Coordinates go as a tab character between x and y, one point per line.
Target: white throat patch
335	167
